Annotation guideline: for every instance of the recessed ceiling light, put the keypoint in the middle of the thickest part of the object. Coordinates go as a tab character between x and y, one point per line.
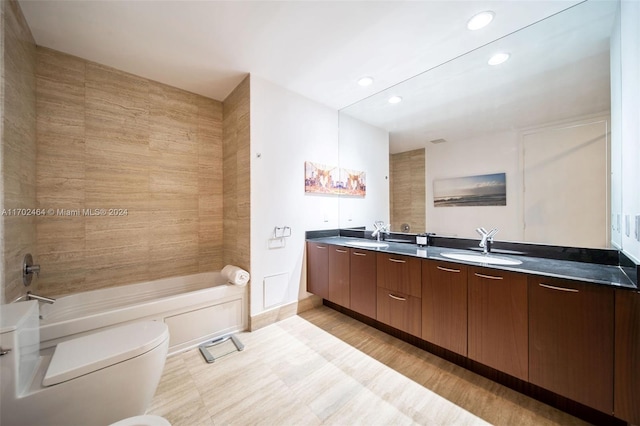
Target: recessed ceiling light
480	20
395	99
365	81
498	58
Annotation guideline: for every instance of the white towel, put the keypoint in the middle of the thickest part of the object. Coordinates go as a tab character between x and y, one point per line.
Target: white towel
236	275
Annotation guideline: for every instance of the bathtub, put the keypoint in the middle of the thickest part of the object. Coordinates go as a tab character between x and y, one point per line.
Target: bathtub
196	308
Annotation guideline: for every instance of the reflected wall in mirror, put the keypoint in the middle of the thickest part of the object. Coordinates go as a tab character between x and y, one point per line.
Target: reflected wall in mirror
542	117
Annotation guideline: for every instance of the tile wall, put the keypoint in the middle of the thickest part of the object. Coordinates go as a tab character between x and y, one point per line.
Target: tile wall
18	147
407	190
237	177
147	154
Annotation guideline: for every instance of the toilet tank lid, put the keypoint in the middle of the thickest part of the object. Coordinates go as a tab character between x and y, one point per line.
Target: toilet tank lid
86	354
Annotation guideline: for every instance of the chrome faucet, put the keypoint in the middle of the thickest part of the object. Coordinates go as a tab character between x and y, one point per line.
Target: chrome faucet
487	239
31	296
380	228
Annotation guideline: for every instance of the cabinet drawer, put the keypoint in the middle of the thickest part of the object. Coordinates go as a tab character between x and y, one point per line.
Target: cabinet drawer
318	269
444	305
339	265
627	356
571	340
400	273
498	320
399	310
363	282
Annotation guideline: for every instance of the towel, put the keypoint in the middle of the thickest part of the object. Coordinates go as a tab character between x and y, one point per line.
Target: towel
235	275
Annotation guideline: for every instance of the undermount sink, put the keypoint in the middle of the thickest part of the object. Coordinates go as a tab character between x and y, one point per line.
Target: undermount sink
368	244
481	258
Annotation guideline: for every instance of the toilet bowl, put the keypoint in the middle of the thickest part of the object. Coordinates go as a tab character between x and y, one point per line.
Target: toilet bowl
96	379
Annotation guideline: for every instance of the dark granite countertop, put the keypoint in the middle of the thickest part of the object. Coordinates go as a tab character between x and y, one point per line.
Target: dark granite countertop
609	275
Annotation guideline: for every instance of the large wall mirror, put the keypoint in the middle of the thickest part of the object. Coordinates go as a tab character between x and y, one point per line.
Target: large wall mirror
535	129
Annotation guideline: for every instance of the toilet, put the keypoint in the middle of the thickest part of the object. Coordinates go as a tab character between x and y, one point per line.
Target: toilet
95	379
148	420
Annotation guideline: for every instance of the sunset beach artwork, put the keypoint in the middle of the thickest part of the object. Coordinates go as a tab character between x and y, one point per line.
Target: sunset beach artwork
480	190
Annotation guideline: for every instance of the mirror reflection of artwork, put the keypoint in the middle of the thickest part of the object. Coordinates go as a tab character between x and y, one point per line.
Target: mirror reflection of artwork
323	179
352	182
480	190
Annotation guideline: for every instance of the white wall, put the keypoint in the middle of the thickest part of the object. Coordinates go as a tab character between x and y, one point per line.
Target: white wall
485	154
365	148
503	152
630	52
616	133
287	130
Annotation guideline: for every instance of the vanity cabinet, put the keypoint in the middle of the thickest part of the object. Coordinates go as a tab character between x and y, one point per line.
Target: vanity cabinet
339	276
571	331
627	356
363	282
399	310
577	340
399	288
401	274
444	305
497	320
318	269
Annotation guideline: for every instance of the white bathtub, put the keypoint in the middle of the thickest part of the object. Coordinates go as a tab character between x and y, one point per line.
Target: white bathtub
196	308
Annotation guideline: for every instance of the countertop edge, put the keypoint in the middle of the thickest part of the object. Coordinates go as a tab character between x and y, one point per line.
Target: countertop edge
618	279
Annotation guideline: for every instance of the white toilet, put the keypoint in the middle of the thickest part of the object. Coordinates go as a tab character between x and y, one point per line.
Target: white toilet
96	379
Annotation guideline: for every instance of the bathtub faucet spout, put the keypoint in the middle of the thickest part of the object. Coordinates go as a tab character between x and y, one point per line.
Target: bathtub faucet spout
31	296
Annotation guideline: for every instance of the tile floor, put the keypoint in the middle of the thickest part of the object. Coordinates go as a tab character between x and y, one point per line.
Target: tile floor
322	367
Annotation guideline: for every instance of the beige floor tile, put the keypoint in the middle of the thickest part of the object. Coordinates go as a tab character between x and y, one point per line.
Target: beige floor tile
324	368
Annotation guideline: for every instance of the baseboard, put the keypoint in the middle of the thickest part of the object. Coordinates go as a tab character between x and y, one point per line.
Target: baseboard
279	313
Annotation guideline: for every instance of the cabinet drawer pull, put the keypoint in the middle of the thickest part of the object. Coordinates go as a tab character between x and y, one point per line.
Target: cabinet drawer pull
553	287
442	268
322	247
402	299
341	251
359	254
397	260
491	277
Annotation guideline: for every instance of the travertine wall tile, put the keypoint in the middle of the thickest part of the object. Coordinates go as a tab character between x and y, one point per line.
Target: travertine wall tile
18	147
237	176
408	192
112	140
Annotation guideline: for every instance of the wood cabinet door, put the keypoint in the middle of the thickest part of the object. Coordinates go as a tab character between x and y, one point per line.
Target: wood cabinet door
444	305
363	282
497	320
318	269
401	311
627	356
571	340
339	275
399	273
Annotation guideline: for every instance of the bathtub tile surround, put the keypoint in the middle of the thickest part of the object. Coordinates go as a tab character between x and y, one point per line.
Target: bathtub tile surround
407	192
112	140
236	169
18	145
325	368
79	135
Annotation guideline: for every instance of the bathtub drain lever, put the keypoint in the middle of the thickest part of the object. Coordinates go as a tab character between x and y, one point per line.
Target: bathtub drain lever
222	348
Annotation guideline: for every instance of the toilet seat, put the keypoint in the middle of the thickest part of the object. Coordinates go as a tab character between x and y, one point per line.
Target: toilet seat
146	420
86	354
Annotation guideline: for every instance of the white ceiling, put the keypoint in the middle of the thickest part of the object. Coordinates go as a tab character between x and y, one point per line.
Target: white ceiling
558	70
315	48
